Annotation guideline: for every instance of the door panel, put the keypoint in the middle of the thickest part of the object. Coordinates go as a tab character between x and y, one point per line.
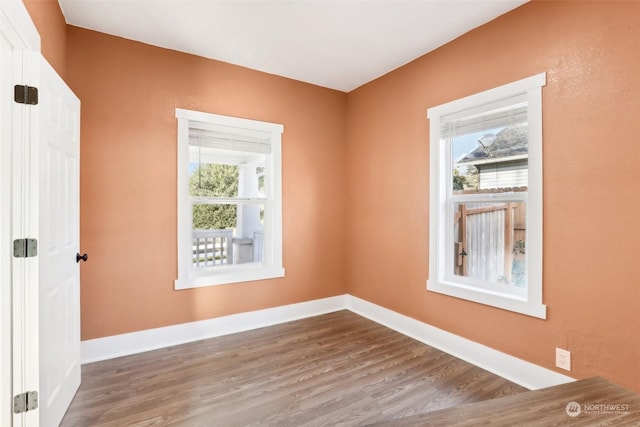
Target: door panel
59	243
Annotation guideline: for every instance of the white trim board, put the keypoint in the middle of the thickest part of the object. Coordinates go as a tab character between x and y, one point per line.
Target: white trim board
511	368
152	339
517	370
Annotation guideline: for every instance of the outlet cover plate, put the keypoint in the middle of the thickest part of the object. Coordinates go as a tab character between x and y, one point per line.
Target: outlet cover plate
563	359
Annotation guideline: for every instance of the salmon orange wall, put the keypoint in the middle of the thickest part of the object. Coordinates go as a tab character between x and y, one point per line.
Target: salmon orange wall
591	126
591	102
49	21
129	92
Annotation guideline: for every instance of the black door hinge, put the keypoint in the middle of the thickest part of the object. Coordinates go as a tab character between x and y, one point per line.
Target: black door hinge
23	94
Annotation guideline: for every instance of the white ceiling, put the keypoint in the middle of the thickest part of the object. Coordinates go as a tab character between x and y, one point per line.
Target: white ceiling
335	44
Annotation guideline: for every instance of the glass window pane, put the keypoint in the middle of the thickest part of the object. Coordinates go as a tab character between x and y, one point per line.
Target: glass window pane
213	180
492	160
490	242
227	234
215	172
214	217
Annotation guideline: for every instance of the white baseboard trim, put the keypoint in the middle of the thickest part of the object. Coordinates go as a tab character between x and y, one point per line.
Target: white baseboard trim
511	368
517	370
152	339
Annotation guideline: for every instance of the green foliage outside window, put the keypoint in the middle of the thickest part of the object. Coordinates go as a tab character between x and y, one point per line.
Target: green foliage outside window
468	181
214	180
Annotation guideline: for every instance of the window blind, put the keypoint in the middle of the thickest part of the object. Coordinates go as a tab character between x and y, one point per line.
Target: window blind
493	115
227	141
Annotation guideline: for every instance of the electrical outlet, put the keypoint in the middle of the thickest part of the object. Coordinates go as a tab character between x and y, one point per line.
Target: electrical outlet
563	359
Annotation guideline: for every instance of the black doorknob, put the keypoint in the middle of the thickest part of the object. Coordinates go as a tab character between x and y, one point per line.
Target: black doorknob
81	257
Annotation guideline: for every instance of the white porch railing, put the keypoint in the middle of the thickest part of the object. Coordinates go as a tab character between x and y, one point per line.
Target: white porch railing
258	238
212	247
216	247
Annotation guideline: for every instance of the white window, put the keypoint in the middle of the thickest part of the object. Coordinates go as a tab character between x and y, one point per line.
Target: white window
229	200
486	197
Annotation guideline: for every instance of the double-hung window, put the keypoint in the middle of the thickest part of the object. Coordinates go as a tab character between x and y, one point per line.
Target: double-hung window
229	200
486	197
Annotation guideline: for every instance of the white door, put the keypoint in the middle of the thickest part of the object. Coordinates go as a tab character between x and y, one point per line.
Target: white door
59	242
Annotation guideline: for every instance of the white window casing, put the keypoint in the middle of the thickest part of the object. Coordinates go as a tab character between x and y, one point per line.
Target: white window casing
528	300
236	135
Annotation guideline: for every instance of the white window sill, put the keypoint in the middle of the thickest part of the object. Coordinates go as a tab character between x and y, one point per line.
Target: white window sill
504	301
226	276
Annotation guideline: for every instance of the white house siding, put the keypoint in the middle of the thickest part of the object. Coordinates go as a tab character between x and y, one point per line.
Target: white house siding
503	175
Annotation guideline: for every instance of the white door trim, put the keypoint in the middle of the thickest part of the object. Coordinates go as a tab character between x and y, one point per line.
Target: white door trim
19	319
17	25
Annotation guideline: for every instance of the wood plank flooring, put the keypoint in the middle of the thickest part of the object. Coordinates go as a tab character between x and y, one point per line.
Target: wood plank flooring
588	402
337	369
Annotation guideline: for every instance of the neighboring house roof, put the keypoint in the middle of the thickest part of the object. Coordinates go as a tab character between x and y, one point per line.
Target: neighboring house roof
510	144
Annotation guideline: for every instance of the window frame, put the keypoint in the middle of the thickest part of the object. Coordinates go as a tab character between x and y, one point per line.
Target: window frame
440	231
271	265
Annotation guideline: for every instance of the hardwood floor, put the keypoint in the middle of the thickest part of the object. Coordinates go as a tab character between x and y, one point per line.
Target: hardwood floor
338	369
588	402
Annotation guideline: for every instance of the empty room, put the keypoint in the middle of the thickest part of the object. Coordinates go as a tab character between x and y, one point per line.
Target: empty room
320	213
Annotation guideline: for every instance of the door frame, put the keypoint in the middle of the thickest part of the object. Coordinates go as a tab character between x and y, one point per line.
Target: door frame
19	358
